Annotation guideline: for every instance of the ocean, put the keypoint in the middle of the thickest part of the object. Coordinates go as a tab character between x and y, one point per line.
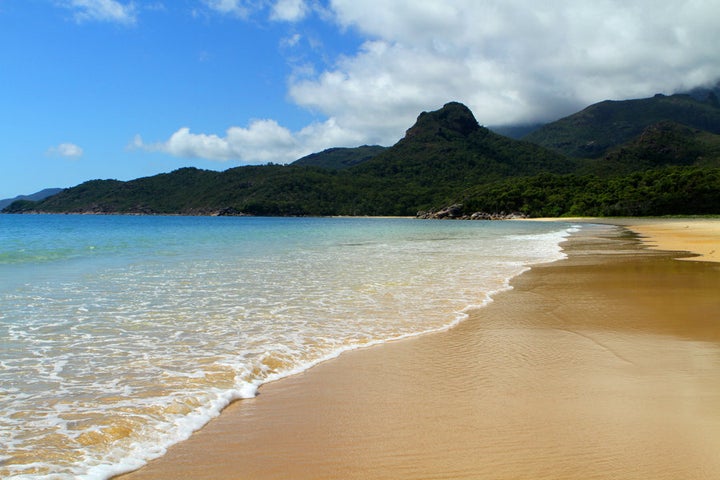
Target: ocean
121	335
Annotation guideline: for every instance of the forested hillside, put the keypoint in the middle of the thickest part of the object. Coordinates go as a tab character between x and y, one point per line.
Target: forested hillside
598	128
339	158
641	157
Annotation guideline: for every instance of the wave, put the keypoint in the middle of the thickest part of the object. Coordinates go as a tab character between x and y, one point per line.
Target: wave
121	362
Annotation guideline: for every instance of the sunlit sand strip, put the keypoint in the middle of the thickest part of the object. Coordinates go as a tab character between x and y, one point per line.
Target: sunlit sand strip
700	236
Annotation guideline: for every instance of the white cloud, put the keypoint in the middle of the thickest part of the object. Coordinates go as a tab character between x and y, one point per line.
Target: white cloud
509	60
68	150
261	142
103	10
289	10
239	8
279	10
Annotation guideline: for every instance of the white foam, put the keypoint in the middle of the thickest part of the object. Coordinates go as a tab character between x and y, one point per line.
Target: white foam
216	329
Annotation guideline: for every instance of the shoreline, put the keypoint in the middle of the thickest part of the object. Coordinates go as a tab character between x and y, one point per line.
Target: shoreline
699	236
512	392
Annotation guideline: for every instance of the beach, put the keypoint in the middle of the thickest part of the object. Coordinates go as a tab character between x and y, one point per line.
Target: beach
697	236
604	365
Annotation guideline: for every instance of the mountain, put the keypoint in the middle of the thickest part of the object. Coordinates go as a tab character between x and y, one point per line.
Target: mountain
446	150
592	132
447	159
669	169
41	195
340	158
516	131
449	147
662	144
709	94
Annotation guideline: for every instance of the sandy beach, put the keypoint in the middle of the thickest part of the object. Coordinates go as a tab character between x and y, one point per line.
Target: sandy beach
698	236
605	365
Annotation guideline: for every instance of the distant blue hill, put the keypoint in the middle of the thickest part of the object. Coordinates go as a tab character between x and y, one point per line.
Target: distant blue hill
41	195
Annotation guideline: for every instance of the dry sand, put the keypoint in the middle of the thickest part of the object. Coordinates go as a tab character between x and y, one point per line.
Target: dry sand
602	366
698	236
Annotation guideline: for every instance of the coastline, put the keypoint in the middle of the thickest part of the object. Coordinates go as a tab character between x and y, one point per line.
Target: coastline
603	365
699	236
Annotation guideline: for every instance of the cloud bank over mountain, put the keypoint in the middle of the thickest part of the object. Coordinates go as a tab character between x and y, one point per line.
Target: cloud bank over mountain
510	61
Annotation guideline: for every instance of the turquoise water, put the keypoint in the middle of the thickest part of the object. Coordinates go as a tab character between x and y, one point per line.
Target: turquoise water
121	335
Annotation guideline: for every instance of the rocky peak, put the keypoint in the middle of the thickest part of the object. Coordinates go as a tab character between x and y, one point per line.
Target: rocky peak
453	119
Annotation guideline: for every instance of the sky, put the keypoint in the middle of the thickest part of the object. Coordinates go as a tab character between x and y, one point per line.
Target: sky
124	89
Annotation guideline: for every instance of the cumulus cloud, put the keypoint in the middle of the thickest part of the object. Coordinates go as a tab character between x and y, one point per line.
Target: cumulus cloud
261	142
103	10
68	150
510	60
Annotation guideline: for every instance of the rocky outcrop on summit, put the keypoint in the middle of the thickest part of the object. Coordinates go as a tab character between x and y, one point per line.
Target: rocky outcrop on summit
454	119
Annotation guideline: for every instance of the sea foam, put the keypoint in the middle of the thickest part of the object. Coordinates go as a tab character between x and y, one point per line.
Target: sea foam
114	353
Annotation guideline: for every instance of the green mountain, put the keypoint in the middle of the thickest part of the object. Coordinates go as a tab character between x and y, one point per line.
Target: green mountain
443	152
516	131
661	144
447	151
447	159
592	132
42	194
669	169
449	147
340	158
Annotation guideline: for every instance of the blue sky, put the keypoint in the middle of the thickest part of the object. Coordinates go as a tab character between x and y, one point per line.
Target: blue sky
123	89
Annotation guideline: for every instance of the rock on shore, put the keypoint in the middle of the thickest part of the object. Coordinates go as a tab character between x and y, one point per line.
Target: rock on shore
456	212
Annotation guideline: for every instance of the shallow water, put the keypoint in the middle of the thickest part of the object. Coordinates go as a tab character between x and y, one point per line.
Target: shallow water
120	336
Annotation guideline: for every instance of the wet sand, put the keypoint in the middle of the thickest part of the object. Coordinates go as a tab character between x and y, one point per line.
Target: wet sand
605	365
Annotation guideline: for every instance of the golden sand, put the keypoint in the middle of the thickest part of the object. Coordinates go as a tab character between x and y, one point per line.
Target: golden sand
602	366
697	236
701	236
